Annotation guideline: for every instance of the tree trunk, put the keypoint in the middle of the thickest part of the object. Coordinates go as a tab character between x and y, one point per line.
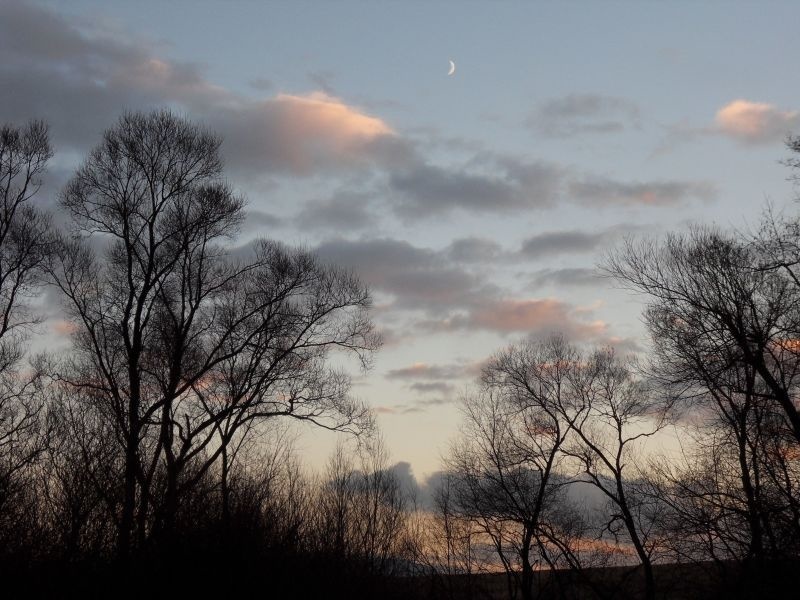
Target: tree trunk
226	492
129	488
630	525
527	569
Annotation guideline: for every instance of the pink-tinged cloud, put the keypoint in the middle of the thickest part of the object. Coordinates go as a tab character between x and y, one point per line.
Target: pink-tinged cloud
756	122
81	78
305	133
63	327
531	316
321	115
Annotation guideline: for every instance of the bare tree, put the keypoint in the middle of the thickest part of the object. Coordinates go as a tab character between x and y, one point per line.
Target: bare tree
506	464
443	544
25	244
711	291
162	312
79	491
611	411
723	316
361	510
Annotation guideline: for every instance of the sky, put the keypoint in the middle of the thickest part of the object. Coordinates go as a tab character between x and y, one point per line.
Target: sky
476	205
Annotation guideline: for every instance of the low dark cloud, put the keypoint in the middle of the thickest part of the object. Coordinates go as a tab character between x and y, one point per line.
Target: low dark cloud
578	114
582	493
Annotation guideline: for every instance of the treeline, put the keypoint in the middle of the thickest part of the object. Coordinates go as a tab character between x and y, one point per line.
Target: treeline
149	457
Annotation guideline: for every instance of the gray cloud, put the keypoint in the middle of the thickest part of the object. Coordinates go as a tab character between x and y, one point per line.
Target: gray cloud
261	222
80	76
430	380
561	242
80	79
431	387
452	299
568	277
424	190
500	184
423	371
473	250
601	191
574	241
419	405
344	211
578	114
418	278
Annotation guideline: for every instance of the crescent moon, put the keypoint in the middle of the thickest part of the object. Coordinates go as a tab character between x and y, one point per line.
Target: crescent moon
452	68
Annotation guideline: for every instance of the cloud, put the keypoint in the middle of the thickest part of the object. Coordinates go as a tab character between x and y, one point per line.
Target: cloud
423	371
538	316
561	242
259	221
80	76
578	114
501	184
63	327
80	79
755	122
418	278
434	383
574	241
568	277
431	387
303	134
451	299
747	122
601	191
473	250
344	211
